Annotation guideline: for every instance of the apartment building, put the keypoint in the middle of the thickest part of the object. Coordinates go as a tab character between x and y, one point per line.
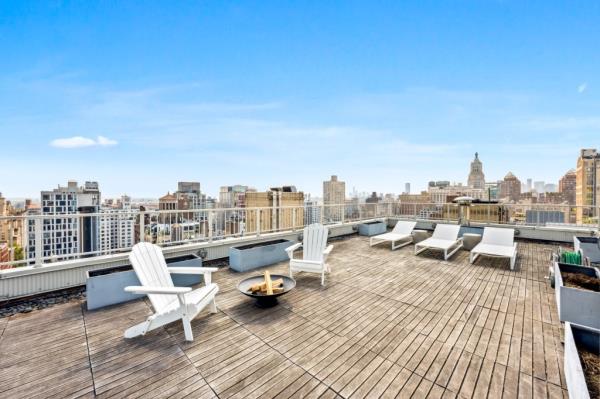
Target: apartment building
285	209
587	186
68	232
334	196
567	185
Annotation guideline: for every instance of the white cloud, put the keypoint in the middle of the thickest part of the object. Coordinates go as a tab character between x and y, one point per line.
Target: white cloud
80	142
582	87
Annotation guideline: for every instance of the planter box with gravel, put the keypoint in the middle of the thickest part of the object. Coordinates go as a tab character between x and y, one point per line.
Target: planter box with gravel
577	296
582	357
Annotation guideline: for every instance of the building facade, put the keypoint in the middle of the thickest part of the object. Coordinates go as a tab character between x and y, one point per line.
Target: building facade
567	186
117	226
445	194
510	188
476	177
282	208
587	186
334	197
68	233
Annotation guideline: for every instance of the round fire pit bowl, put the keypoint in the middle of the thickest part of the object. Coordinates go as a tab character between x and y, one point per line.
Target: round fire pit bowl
263	300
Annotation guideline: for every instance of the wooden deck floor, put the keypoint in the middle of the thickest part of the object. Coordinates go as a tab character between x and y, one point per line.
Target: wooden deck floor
388	324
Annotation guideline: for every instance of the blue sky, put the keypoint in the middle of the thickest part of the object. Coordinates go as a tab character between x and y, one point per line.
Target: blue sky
270	93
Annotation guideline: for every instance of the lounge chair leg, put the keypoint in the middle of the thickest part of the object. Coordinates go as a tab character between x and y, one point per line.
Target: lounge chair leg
513	260
213	306
291	274
187	328
323	277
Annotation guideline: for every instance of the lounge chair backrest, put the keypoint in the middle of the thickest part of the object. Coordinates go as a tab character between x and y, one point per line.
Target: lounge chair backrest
446	232
150	266
498	236
404	227
314	242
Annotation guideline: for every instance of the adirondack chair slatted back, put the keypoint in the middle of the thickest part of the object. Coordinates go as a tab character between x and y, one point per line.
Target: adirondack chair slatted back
498	236
404	227
150	266
314	242
446	232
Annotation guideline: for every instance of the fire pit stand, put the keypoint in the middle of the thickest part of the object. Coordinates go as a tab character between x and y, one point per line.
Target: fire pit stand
264	300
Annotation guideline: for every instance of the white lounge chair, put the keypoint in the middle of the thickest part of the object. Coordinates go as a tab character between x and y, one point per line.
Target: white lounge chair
314	252
445	238
496	242
401	232
170	303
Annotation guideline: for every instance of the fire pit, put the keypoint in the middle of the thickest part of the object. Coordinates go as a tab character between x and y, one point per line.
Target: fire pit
257	287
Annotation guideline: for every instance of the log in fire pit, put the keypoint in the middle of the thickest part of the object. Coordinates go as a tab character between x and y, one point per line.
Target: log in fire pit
265	289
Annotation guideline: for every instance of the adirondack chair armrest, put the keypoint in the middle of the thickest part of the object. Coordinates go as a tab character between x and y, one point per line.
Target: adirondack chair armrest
310	262
290	250
192	270
206	271
158	290
328	250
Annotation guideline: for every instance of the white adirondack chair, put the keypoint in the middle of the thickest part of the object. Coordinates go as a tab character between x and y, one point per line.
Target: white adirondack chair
170	303
314	251
496	242
401	232
445	238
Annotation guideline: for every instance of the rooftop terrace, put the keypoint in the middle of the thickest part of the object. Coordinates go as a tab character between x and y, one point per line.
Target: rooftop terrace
387	324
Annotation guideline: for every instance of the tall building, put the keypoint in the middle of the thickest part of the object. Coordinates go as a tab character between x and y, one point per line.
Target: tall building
312	211
587	187
510	188
529	185
476	176
117	226
406	188
567	185
65	235
281	209
334	193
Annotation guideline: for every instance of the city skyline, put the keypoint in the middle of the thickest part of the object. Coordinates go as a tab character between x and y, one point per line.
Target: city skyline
350	191
120	103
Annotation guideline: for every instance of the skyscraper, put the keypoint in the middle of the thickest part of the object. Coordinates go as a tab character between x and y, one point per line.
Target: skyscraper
406	188
587	189
567	185
476	176
334	193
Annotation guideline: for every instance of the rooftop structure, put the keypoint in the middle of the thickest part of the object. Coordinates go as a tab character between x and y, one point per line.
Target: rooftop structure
411	326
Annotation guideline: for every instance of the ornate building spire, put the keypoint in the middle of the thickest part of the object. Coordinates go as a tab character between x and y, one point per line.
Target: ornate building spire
476	176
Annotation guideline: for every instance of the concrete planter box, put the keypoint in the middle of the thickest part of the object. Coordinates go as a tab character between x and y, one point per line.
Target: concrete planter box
107	287
589	248
252	256
371	228
576	305
578	338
